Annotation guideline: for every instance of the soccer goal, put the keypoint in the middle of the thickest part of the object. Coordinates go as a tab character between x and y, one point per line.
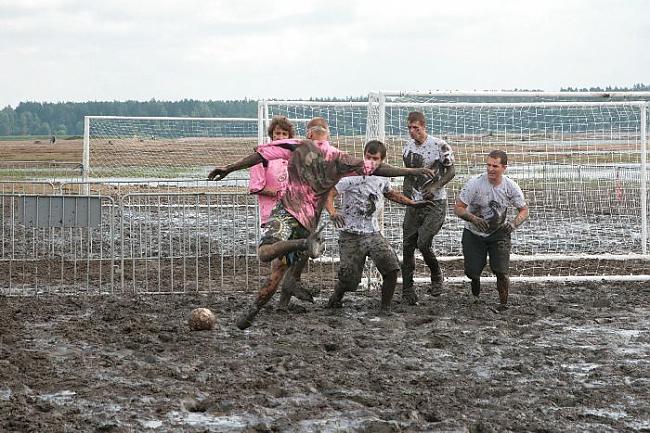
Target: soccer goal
583	166
163	147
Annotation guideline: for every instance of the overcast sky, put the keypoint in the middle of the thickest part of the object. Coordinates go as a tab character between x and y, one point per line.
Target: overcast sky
80	50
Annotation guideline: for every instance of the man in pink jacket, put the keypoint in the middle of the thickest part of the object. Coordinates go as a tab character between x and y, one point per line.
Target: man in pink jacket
314	167
269	181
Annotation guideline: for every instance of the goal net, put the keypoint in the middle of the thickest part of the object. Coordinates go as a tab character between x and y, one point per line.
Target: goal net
164	147
582	167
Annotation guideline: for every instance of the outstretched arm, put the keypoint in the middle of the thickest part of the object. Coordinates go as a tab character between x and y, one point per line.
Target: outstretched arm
387	170
220	172
400	198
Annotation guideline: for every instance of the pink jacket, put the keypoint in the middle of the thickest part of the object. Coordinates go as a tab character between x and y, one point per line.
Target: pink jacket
273	176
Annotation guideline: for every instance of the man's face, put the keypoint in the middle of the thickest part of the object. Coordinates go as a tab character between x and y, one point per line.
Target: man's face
279	133
374	157
418	132
495	169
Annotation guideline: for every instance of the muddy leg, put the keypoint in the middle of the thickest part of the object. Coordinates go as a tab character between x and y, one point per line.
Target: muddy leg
265	294
503	286
387	291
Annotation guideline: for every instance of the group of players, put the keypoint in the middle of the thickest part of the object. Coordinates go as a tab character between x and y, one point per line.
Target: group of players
295	179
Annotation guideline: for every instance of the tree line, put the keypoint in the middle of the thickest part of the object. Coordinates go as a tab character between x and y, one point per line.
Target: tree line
66	118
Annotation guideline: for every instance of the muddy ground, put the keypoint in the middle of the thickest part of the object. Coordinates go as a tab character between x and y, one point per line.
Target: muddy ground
568	358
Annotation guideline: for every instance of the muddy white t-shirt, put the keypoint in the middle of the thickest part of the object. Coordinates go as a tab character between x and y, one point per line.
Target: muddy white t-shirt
433	150
490	202
362	198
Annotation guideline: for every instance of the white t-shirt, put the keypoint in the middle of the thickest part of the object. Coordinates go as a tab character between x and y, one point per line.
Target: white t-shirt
490	202
425	155
362	199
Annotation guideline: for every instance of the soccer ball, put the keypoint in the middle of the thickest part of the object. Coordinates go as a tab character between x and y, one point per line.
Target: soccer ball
201	319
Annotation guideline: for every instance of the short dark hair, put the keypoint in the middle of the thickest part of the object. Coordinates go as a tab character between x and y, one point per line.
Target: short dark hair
283	123
503	157
416	116
374	146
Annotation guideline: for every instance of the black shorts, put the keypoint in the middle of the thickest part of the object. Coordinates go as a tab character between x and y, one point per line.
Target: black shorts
477	248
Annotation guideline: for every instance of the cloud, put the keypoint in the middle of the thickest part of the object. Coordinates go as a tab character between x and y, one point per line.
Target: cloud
61	50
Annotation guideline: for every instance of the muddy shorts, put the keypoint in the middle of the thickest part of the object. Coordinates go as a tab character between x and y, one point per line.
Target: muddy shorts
354	250
283	226
477	248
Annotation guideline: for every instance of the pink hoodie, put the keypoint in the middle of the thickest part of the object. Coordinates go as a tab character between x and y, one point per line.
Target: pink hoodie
273	176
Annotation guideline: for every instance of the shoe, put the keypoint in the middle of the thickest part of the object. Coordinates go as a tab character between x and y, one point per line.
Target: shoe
299	291
476	287
246	319
314	243
283	302
409	297
336	300
436	286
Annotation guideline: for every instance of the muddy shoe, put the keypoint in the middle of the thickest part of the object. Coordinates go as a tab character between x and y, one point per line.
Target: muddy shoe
336	300
283	302
409	297
299	291
246	319
436	286
314	243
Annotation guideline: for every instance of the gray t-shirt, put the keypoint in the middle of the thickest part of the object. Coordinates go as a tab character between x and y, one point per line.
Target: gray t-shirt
490	202
425	155
362	199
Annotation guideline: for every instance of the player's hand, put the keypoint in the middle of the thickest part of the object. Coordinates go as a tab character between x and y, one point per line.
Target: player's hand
218	173
428	196
480	224
421	204
426	172
338	220
508	227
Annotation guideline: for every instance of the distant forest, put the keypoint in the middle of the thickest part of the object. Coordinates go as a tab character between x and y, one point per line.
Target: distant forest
66	118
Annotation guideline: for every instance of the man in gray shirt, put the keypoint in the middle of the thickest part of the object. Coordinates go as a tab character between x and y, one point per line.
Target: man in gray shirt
421	225
483	203
359	235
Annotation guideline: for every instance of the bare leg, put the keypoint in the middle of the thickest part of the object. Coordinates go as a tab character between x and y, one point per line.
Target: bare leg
387	291
503	286
278	269
291	285
269	252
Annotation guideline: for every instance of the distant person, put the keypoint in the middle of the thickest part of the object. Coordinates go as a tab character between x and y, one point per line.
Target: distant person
422	224
314	167
483	202
269	181
359	235
52	139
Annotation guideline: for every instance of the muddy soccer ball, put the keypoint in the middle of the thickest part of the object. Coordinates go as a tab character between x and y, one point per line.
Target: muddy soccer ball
201	319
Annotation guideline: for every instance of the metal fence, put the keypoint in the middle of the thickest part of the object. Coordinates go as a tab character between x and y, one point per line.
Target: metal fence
61	241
